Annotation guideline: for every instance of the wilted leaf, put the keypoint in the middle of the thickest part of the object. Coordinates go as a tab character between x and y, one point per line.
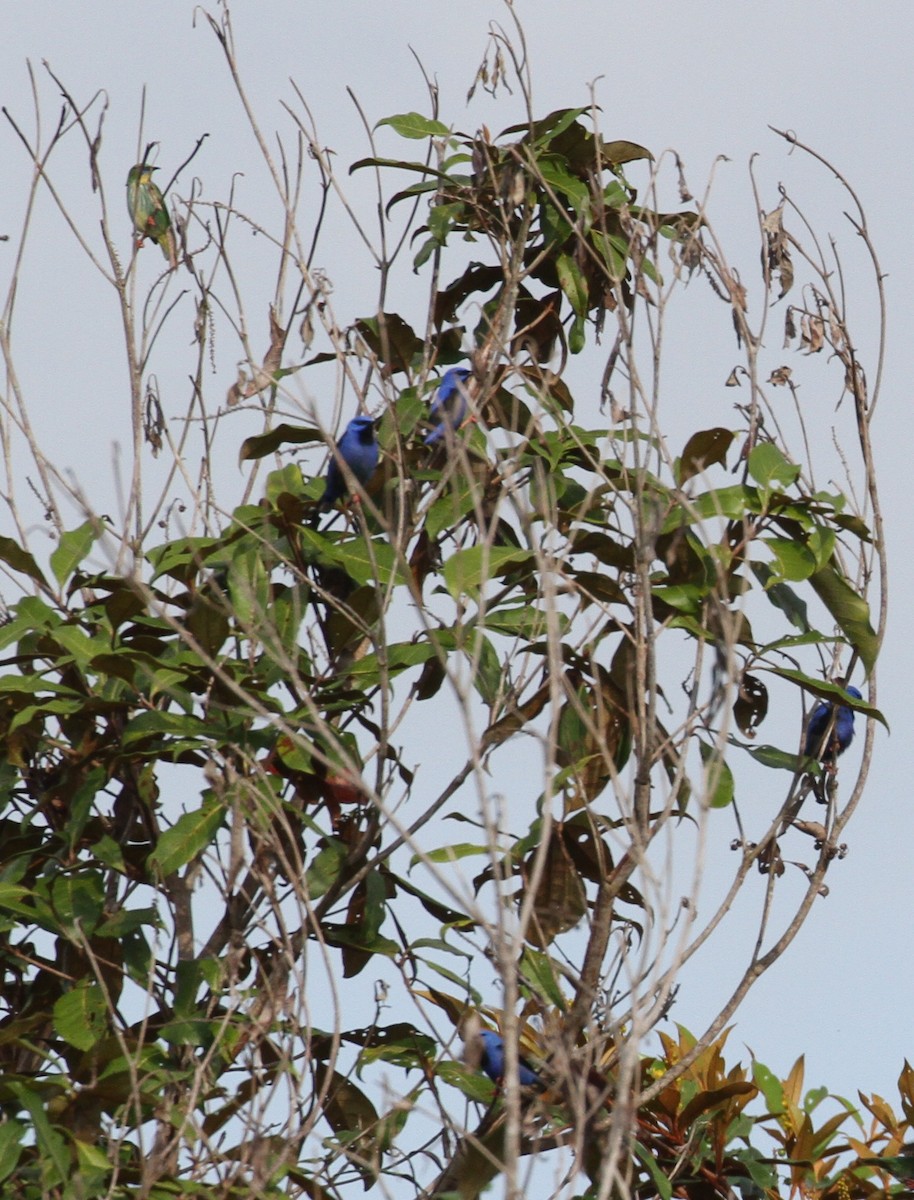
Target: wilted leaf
769	859
623	152
751	706
812	334
776	255
560	900
516	718
702	449
391	339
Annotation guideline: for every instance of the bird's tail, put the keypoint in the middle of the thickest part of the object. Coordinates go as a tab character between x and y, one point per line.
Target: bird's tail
169	247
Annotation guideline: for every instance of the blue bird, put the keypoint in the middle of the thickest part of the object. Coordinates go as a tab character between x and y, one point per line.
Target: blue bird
842	733
493	1061
359	451
450	406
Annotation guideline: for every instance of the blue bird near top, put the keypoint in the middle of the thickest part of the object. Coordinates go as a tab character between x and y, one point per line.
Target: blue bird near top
842	732
450	406
358	449
493	1061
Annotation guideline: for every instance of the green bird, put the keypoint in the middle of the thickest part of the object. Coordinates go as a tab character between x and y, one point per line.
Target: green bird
901	1165
148	212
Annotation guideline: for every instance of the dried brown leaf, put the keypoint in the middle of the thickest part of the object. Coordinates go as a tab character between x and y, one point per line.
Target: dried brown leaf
812	334
790	327
776	253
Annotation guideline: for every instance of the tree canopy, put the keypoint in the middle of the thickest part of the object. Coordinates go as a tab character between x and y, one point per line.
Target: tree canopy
295	803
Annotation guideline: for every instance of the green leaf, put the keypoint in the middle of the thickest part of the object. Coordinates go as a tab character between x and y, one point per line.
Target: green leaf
249	587
661	1182
577	338
548	127
157	725
12	899
769	467
488	675
401	1044
850	611
448	854
401	165
126	920
792	559
614	251
821	543
720	789
189	835
366	563
20	560
730	502
771	756
782	597
538	970
324	868
684	597
71	550
562	181
285	481
80	1015
770	1087
392	661
442	219
450	507
92	1159
466	571
263	444
33	685
414	125
425	251
830	692
78	901
11	1134
525	622
572	283
78	644
48	1140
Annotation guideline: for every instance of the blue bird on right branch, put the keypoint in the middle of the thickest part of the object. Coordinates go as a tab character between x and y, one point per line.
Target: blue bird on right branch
450	406
493	1061
358	449
831	729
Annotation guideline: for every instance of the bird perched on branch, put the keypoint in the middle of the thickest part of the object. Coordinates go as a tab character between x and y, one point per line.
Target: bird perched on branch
841	729
148	212
493	1061
901	1165
450	406
358	449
